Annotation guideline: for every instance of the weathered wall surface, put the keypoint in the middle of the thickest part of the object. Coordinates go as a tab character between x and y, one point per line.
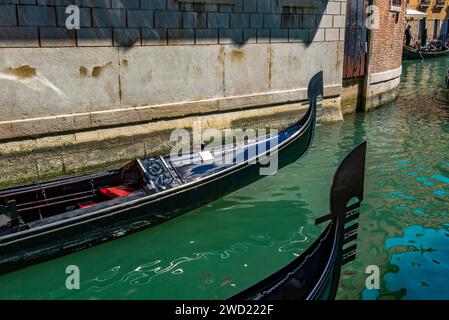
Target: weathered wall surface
385	56
155	55
140	63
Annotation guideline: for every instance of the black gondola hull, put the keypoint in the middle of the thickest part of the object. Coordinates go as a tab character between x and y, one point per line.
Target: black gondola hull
409	54
48	242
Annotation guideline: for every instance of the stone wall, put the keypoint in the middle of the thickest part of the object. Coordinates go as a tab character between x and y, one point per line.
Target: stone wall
152	65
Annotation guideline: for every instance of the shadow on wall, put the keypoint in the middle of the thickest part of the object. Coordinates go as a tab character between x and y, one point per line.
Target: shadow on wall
128	23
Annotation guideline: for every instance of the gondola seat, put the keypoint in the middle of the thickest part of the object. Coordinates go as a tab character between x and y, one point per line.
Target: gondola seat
117	191
86	204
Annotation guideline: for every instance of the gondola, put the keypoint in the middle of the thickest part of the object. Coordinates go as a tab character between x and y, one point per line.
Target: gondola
46	220
315	274
410	53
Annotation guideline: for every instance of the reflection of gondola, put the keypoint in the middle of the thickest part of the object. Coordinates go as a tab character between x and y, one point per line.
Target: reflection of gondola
412	54
447	79
316	272
49	219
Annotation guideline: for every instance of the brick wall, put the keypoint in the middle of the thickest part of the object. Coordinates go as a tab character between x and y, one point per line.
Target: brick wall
386	49
41	23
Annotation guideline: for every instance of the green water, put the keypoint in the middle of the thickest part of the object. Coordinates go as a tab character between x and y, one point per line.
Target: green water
218	250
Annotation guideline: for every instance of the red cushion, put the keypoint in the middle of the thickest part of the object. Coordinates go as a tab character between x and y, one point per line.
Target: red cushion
117	191
86	204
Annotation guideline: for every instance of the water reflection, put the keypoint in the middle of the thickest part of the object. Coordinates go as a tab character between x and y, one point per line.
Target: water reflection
407	192
421	258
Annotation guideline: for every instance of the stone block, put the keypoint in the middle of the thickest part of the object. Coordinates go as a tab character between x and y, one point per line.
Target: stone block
167	19
22	37
54	2
181	36
286	60
272	21
249	36
308	21
263	35
255	60
170	74
140	18
107	18
154	37
153	4
94	37
36	16
57	37
290	21
333	7
230	35
5	130
93	3
8	17
194	20
127	37
125	4
239	20
71	82
298	35
206	36
218	20
316	35
250	6
332	34
325	21
279	35
339	21
263	6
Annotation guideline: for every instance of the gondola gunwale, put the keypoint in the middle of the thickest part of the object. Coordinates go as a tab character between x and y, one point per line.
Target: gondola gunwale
307	123
319	287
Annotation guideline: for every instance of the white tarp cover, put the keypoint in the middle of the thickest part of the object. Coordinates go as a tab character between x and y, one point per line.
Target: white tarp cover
415	13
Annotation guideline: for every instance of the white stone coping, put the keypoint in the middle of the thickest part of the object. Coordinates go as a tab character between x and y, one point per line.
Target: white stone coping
385	76
120	117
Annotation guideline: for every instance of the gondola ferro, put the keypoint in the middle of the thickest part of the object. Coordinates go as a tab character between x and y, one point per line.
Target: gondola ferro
45	220
315	274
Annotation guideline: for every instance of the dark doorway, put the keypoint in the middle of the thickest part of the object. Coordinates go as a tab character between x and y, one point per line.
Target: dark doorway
423	31
436	28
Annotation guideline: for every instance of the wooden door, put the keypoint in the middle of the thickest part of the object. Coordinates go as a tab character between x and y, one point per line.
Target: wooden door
356	38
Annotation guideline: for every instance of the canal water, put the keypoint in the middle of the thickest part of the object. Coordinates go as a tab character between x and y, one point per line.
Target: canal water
224	247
